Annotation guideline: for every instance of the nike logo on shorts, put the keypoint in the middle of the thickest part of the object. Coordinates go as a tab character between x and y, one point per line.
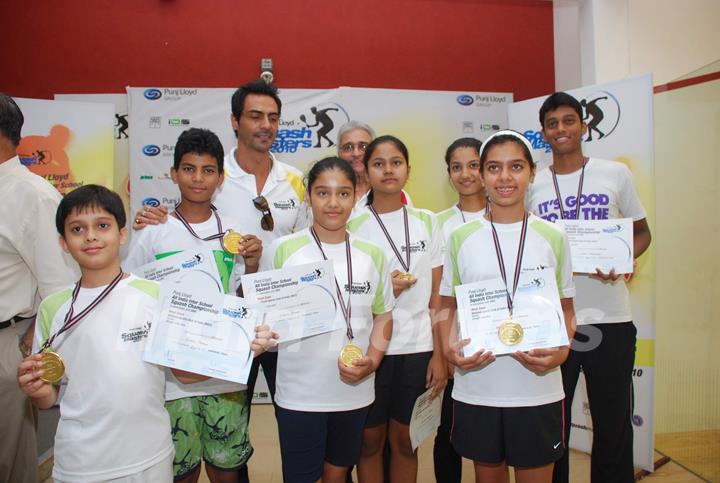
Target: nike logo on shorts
556	446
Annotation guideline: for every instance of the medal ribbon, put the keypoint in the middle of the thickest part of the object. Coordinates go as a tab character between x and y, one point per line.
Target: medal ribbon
72	320
405	265
345	307
186	224
579	193
518	259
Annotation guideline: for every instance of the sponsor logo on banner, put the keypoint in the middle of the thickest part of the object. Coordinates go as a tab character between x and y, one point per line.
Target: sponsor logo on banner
145	176
601	112
176	94
468	127
315	128
151	150
637	420
155	122
465	99
152	94
154	202
485	100
537	140
178	122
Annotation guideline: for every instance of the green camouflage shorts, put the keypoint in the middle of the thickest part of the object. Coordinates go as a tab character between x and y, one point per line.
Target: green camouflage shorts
212	428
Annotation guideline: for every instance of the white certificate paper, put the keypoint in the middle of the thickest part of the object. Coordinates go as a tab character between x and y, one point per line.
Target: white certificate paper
298	301
603	244
482	308
198	265
425	417
203	331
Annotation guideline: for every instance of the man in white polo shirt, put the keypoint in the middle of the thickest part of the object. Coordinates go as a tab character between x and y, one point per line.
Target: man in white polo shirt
264	195
32	266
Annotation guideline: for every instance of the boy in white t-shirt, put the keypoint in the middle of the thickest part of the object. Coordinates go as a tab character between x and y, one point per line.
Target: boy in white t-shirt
209	416
604	348
113	425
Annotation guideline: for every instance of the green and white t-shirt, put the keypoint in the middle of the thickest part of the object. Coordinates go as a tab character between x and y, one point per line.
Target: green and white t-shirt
308	378
159	241
452	217
113	421
412	328
470	257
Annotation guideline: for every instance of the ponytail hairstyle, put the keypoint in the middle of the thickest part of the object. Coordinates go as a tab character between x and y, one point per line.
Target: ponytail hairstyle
461	143
370	150
327	164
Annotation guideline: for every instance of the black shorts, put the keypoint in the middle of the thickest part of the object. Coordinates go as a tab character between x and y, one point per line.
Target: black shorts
524	437
399	381
308	439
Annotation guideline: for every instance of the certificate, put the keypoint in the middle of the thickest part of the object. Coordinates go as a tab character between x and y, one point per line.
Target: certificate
197	266
203	331
298	301
425	417
603	244
537	321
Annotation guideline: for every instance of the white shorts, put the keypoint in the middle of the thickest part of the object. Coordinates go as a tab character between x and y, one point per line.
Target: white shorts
161	472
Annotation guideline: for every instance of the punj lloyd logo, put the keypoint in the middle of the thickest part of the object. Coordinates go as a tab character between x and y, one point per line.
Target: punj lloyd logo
152	94
465	99
151	150
154	202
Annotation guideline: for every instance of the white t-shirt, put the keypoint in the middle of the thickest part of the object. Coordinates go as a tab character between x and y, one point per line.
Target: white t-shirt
284	190
470	257
308	378
608	192
412	328
452	217
159	241
113	421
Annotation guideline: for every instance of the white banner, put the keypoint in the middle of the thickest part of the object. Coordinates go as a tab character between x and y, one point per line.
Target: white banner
620	127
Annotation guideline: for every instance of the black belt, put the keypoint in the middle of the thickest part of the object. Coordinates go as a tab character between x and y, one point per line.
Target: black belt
13	321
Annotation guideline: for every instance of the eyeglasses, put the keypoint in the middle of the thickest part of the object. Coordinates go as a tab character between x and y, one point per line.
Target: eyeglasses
266	222
349	147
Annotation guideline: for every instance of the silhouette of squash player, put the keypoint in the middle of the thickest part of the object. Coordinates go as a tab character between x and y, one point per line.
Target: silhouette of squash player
321	118
592	109
52	161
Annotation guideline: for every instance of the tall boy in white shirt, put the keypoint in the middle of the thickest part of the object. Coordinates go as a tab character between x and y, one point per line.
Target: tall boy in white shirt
604	345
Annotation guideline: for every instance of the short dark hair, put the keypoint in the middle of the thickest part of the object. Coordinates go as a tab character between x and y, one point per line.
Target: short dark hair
472	143
259	87
89	196
198	141
556	100
326	164
11	119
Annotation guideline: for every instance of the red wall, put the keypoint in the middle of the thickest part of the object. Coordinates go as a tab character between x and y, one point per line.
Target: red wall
97	46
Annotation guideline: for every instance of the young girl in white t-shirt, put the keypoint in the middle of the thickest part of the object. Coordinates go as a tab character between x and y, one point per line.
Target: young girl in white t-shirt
462	158
324	389
508	410
414	362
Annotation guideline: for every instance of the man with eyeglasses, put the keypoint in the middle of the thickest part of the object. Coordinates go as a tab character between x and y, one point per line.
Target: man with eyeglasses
264	195
353	139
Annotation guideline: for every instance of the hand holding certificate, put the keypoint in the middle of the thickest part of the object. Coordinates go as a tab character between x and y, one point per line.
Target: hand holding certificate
600	244
537	320
425	417
298	301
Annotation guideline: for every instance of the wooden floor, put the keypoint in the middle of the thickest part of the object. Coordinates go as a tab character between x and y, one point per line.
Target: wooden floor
695	456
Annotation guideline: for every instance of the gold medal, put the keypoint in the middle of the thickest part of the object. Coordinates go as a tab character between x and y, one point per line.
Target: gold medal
407	276
510	332
232	241
350	353
53	367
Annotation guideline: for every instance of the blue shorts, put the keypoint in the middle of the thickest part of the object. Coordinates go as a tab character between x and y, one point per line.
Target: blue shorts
309	439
